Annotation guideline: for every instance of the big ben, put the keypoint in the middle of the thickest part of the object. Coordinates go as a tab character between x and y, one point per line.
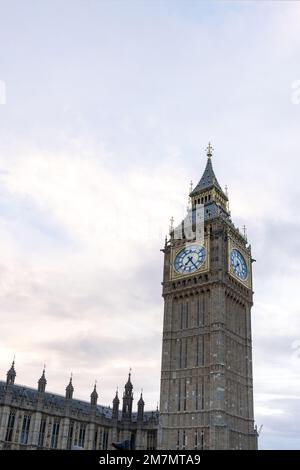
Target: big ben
206	397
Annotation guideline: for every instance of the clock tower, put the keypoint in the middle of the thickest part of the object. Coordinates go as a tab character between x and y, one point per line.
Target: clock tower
206	397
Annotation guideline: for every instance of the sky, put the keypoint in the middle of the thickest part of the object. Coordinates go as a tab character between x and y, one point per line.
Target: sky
106	108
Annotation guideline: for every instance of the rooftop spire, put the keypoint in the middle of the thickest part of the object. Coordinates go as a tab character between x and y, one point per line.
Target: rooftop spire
70	389
11	374
141	401
128	385
209	150
115	410
116	399
94	395
208	178
127	399
42	382
141	404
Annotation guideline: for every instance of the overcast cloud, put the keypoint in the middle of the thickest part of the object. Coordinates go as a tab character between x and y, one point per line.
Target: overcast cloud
109	107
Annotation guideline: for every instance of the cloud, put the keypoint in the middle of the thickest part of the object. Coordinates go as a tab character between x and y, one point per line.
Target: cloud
99	274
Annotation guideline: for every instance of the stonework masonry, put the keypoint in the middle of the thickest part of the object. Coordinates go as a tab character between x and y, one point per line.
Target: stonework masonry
206	399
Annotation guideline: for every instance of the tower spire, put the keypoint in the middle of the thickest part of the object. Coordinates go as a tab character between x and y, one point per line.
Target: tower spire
11	374
209	150
115	410
70	389
94	395
42	382
127	399
208	189
140	408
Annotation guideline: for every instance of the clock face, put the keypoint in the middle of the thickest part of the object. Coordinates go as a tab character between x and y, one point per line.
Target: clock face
238	264
190	259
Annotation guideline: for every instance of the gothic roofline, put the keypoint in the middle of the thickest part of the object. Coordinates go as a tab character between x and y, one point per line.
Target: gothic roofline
50	400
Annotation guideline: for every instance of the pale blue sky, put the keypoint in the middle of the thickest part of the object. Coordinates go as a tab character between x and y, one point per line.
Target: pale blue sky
110	106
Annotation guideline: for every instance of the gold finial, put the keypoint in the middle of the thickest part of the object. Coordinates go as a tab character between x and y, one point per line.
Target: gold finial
209	150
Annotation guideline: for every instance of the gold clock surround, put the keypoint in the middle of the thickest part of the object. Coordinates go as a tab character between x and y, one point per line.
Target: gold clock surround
203	268
233	245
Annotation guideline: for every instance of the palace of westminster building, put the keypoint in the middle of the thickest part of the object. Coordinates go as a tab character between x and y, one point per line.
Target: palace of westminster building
206	394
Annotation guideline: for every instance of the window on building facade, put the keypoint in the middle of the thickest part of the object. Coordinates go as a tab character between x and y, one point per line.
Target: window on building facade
184	439
184	394
10	426
70	435
54	436
42	433
183	353
25	429
151	439
105	439
200	351
81	437
200	310
184	315
200	394
201	440
95	440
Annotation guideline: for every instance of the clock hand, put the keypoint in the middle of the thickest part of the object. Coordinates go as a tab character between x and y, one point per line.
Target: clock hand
189	260
194	264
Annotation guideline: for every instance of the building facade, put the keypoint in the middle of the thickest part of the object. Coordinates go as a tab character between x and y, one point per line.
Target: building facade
206	399
35	419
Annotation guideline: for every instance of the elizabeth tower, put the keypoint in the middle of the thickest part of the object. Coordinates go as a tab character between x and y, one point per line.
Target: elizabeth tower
206	399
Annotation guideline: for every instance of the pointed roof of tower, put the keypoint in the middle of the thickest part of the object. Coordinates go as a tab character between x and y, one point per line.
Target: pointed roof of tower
208	178
70	388
94	393
141	401
42	380
128	385
116	399
12	372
